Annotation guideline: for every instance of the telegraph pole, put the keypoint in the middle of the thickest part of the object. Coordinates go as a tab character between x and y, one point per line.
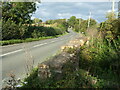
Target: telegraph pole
66	20
119	9
89	20
113	6
79	23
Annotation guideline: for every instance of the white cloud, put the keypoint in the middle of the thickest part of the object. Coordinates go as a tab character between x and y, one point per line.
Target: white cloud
55	10
33	17
79	4
116	10
109	10
59	14
64	14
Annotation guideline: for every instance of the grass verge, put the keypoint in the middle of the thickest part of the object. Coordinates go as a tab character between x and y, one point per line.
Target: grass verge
15	41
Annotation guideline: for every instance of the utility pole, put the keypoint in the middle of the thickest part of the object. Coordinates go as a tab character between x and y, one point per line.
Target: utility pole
89	20
79	23
119	9
66	19
113	6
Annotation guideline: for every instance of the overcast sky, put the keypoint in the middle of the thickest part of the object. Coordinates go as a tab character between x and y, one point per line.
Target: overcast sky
59	10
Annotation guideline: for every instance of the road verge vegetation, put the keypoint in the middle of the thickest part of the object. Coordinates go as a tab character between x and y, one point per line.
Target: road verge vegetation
89	61
30	33
94	63
86	62
16	41
18	27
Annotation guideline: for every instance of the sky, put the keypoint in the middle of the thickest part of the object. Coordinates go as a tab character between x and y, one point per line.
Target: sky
60	10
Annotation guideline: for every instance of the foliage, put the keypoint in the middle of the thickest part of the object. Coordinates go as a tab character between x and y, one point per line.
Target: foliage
101	57
110	16
99	67
10	30
49	22
101	60
72	21
40	31
110	28
61	23
14	41
16	22
96	70
14	15
37	21
83	26
80	25
18	12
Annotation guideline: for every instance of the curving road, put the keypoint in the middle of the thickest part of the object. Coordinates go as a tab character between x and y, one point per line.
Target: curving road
14	57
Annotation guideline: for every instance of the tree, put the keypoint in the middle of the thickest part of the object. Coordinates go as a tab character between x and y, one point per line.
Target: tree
37	20
18	12
80	25
72	21
14	16
49	22
110	16
110	28
92	22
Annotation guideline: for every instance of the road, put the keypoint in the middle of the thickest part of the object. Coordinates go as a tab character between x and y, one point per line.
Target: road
14	57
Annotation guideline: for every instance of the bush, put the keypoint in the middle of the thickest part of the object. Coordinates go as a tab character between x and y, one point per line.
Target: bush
10	30
36	32
101	60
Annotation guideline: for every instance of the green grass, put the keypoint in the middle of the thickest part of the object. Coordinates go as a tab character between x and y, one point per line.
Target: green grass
15	41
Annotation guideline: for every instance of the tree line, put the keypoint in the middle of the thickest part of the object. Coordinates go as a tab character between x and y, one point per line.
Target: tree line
79	24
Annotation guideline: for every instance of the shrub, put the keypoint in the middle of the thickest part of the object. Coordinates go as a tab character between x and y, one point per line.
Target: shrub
10	30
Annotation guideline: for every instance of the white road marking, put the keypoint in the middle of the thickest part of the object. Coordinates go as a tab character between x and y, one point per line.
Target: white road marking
39	45
52	41
11	52
22	49
19	50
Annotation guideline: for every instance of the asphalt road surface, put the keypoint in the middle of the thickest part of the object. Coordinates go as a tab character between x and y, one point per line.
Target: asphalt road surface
15	58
